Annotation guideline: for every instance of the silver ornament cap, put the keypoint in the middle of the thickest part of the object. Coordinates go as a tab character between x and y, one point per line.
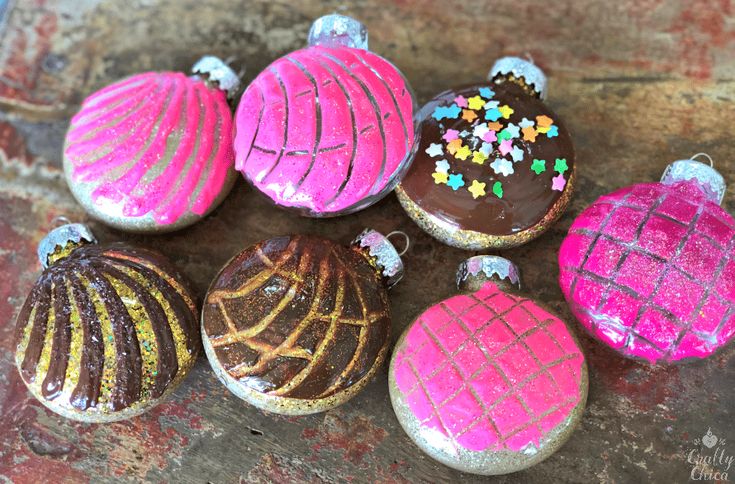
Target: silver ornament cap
216	70
710	180
384	253
60	237
520	68
482	268
335	30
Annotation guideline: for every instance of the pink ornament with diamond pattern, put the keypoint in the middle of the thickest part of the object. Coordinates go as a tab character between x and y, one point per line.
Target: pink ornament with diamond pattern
489	371
649	270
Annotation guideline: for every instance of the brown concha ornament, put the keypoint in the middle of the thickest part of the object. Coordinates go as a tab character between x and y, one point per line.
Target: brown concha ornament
299	324
107	332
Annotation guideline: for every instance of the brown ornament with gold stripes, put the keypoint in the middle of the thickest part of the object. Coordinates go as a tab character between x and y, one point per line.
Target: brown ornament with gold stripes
107	332
299	324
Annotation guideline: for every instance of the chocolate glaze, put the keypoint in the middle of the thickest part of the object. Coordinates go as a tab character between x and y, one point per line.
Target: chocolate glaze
71	286
527	197
249	323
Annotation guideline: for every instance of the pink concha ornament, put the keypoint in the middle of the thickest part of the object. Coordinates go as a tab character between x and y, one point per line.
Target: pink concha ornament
327	130
649	269
153	152
488	381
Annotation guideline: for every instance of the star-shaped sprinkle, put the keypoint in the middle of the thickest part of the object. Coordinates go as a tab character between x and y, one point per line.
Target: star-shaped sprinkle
487	148
490	136
505	111
491	104
516	153
475	102
477	189
463	153
454	145
501	166
450	135
538	166
503	135
442	166
495	126
513	130
543	129
460	101
505	147
560	165
543	120
464	133
553	132
455	181
480	130
449	112
434	149
479	157
486	92
440	177
558	183
529	134
525	123
498	189
493	114
469	115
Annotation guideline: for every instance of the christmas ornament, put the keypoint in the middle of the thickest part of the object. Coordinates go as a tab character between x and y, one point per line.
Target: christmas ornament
107	332
648	269
495	166
299	324
326	130
153	152
489	381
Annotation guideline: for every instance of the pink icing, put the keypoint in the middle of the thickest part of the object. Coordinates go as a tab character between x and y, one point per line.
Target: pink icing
154	143
649	270
489	370
324	129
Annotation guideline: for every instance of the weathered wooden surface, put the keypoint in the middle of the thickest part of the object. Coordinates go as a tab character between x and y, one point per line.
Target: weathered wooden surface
639	84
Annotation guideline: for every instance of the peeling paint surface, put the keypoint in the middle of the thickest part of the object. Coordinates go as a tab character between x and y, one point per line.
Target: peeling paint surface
638	83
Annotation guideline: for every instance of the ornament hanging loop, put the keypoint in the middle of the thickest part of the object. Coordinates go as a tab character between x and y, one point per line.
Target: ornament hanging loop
60	220
406	238
335	30
705	155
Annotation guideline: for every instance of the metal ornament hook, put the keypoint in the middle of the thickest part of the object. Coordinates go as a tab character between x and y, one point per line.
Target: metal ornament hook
405	237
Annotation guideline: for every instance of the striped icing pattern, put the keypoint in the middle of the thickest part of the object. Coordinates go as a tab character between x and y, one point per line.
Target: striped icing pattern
323	129
156	143
106	329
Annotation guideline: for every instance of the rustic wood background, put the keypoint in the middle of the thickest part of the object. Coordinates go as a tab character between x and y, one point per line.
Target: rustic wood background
638	83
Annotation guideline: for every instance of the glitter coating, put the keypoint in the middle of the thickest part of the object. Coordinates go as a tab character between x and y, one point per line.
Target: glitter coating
152	152
325	130
106	332
649	271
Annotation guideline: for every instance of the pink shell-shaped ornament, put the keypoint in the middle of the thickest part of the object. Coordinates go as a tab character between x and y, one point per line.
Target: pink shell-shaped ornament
649	269
488	381
326	130
153	152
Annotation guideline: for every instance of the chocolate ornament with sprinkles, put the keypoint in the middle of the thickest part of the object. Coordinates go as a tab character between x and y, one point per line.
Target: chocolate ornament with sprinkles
108	331
649	269
495	166
488	381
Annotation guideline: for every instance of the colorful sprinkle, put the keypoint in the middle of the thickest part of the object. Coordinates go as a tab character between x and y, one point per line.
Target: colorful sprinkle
487	148
435	149
477	189
529	134
490	137
543	120
553	132
463	153
450	135
460	101
538	166
506	146
454	145
455	181
506	111
495	126
501	166
498	189
525	123
516	153
486	92
469	115
560	165
493	114
480	130
479	157
513	130
475	102
449	112
558	183
442	166
440	177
